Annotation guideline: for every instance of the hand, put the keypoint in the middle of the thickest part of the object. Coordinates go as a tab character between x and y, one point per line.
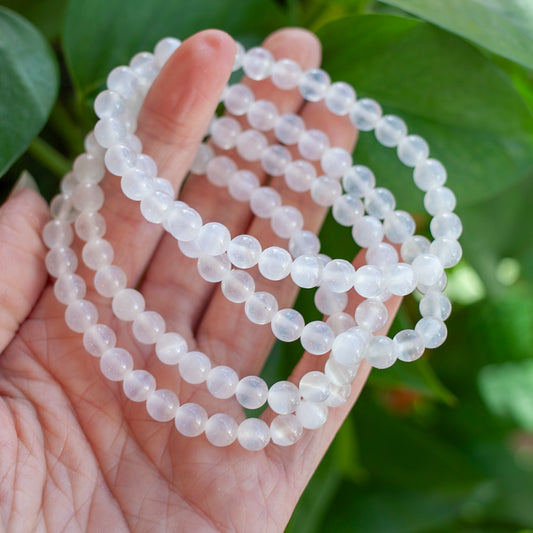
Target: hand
75	454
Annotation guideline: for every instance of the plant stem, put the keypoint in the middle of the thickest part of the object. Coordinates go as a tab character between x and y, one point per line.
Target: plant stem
63	124
49	157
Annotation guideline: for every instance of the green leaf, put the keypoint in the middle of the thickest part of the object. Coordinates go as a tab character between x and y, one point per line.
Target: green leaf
447	91
503	27
102	34
28	90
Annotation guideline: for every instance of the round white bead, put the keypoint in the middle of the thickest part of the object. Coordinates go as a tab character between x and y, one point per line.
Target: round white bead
340	98
99	338
340	322
69	287
286	74
432	330
116	364
213	238
138	385
306	271
286	220
365	114
390	129
371	315
382	255
314	386
336	162
257	63
128	304
338	275
349	347
244	251
109	280
224	132
238	98
398	226
262	115
285	430
339	395
340	374
164	49
222	381
409	345
401	279
358	180
429	173
136	184
428	269
312	144
154	206
369	281
220	169
204	154
367	230
251	144
237	286
446	225
414	246
170	348
317	337
264	201
261	307
325	191
439	200
304	243
251	392
435	304
162	405
97	254
448	251
313	84
381	352
190	419
194	367
148	327
328	302
289	128
300	175
253	434
283	397
287	325
412	150
213	268
80	315
347	209
90	226
312	415
183	222
275	159
242	184
87	197
379	202
57	233
119	158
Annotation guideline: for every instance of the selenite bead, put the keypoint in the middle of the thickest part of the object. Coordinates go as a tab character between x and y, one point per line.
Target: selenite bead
381	352
69	287
446	225
80	315
213	268
439	200
349	346
409	345
116	364
339	395
312	415
183	222
390	129
306	271
204	154
439	286
109	280
328	302
57	233
317	337
338	275
251	392
314	386
401	279
221	429
274	263
340	374
213	238
312	144
194	367
412	150
262	115
164	49
68	183
371	315
398	225
132	141
286	74
257	63
313	84
251	144
285	430
369	281
238	98
97	253
347	209
170	348
123	81
190	419
61	260
220	169
109	104
367	230
304	242
358	180
287	325
335	162
162	185
92	147
99	338
340	97
154	206
432	330
244	251
119	158
148	327
383	255
144	65
136	184
365	114
275	159
61	207
428	269
325	191
237	286
224	132
253	434
288	128
87	197
429	173
190	248
449	251
340	322
264	201
146	164
162	405
414	246
435	304
138	385
88	169
300	175
261	307
128	304
109	131
239	56
379	202
222	381
283	397
242	184
286	220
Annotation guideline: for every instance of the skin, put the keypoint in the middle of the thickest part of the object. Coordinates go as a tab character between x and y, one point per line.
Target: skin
75	454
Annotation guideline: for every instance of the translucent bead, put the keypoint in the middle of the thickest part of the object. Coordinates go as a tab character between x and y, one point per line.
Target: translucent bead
128	304
313	84
369	281
414	246
412	150
287	325
435	304
289	128
365	114
439	286
213	268
340	97
109	104
439	200
300	175
238	99
314	386
61	208
367	230
382	255
148	327
275	159
379	202
286	220
311	415
275	263
162	185
286	74
170	348
80	315
261	307
194	367
340	322
429	173
262	115
221	429
304	243
312	144
92	147
162	405
87	197
335	162
390	130
220	169
349	347
258	63
317	337
123	81
325	191
401	279
109	280
204	154
116	364
359	180
238	286
146	164
131	140
251	144
409	345
347	209
97	254
244	251
138	385
119	158
340	374
446	225
328	302
253	434
213	238
222	381
381	352
154	206
371	315
338	275
224	132
283	397
189	249
251	392
183	222
432	330
239	56
68	183
190	419
428	269
136	184
57	233
98	338
69	287
339	395
88	169
448	251
242	184
285	430
143	64
164	49
264	201
109	131
306	271
398	226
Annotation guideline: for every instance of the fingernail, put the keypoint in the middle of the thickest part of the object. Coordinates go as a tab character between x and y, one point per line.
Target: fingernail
25	181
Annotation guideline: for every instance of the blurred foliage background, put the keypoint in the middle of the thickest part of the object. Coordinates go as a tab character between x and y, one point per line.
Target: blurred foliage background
444	444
